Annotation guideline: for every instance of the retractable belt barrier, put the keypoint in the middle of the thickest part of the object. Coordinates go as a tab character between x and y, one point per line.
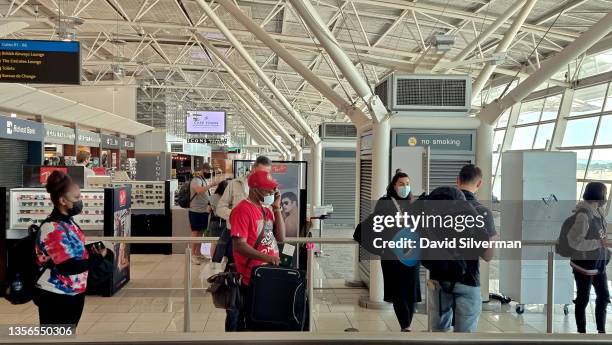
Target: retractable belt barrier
310	271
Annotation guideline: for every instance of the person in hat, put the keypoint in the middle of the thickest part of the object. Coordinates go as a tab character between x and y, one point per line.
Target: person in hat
200	186
257	226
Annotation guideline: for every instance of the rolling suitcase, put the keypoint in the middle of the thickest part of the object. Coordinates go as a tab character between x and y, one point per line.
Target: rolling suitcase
277	300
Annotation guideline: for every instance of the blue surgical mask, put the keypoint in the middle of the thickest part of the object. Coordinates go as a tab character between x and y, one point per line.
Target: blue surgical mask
403	191
268	200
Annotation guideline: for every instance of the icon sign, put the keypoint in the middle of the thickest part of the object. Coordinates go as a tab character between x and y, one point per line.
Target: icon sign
412	141
9	127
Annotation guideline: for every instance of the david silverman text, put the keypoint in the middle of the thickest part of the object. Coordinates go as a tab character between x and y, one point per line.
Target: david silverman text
462	243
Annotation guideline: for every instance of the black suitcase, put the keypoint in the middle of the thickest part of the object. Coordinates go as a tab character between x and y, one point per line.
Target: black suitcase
277	299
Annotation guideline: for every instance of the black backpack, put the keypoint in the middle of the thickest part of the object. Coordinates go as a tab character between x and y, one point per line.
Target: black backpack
23	270
562	247
454	267
184	198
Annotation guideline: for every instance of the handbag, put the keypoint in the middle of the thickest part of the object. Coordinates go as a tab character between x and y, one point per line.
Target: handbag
225	290
225	286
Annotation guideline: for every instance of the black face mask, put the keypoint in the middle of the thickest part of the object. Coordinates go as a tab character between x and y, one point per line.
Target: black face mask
207	175
77	208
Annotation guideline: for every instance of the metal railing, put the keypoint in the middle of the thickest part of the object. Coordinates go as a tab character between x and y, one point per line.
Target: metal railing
310	268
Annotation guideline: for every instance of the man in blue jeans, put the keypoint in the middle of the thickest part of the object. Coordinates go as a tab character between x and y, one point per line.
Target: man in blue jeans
460	301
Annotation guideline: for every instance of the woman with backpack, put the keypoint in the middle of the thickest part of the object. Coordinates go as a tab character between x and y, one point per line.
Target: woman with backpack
401	283
60	248
587	237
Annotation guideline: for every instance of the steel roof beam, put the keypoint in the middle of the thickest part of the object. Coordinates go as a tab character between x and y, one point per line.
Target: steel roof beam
355	114
492	111
312	19
503	45
305	128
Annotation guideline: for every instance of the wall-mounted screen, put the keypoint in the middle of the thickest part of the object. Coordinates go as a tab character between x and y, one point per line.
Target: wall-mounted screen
40	62
205	122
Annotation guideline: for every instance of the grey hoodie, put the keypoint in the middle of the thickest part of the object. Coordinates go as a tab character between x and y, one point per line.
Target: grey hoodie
578	231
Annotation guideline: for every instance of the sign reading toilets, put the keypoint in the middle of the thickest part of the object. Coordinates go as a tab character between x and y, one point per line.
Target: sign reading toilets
18	129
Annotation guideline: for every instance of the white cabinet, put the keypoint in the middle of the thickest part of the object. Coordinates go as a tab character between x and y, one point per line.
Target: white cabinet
538	194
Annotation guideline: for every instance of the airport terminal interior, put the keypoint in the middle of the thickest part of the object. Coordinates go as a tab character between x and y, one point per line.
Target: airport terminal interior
197	170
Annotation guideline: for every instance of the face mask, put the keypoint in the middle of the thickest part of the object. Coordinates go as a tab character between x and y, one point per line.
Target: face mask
207	175
77	208
268	200
403	191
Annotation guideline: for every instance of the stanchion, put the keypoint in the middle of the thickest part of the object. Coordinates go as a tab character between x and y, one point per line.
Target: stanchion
550	296
427	297
310	284
187	297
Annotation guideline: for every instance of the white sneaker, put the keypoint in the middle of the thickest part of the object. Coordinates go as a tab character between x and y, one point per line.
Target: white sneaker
195	261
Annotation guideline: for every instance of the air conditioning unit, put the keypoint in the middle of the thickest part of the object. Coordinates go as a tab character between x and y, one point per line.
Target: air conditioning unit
333	130
428	95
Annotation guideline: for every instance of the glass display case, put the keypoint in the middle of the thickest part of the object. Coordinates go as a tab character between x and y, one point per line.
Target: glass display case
32	205
146	195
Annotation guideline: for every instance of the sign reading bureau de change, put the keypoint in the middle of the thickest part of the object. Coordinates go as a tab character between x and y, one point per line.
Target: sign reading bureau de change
40	62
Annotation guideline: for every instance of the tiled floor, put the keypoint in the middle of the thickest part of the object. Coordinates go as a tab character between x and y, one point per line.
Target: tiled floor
153	302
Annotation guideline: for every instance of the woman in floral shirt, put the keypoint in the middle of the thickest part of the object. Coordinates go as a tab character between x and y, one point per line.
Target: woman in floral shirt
61	248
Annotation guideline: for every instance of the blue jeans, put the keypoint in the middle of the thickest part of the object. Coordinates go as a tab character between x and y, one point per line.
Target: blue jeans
463	303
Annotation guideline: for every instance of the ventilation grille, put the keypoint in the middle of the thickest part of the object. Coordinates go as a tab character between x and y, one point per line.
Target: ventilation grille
444	172
381	91
431	92
339	191
365	188
365	208
338	130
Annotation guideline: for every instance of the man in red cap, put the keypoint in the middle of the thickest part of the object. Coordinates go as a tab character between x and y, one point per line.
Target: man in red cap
256	226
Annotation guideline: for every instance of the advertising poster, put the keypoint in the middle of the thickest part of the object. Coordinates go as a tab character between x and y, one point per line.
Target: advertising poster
290	179
117	223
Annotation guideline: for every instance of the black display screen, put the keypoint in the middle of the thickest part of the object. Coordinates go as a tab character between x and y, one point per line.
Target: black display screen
40	62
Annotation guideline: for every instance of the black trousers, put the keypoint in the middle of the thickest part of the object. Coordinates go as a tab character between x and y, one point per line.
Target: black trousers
56	309
236	320
404	311
583	287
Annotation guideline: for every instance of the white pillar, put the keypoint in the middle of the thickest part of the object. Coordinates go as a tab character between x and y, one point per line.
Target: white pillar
298	154
381	140
316	153
484	156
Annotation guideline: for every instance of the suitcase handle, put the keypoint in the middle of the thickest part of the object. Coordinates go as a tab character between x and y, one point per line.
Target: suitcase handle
295	301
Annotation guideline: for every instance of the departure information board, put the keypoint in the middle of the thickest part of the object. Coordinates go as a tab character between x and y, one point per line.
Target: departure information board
40	62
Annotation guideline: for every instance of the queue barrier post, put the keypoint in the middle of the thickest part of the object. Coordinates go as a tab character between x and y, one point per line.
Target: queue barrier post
550	295
310	284
187	297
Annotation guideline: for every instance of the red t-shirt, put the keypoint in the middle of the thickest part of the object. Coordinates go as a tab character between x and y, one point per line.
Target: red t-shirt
246	221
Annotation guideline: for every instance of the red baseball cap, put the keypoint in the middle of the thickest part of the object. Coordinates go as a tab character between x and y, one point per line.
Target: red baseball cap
262	179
